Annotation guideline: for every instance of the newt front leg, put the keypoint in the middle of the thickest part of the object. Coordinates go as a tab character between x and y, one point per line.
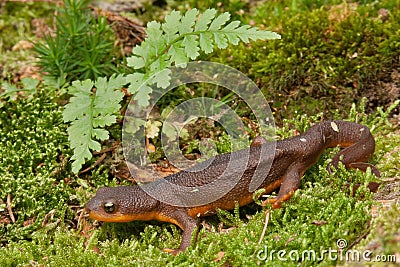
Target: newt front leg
188	226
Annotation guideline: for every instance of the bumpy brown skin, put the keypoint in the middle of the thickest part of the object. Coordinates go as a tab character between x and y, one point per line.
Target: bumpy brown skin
293	156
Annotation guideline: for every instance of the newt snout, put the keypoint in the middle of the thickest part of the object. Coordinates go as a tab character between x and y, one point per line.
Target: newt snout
120	204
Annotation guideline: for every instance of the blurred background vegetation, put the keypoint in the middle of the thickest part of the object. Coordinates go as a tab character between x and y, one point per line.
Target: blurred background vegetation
331	55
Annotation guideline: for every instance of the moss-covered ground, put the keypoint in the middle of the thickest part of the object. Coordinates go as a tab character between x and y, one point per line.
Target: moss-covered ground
331	55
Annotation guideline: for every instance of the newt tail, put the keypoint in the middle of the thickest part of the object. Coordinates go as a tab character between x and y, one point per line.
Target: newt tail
292	157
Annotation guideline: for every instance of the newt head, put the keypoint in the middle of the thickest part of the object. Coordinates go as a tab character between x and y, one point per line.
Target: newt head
121	204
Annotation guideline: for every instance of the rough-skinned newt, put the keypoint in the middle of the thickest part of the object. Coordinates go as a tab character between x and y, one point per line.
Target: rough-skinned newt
292	157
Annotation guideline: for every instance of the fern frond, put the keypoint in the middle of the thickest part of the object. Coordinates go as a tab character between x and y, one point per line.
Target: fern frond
181	38
91	108
178	40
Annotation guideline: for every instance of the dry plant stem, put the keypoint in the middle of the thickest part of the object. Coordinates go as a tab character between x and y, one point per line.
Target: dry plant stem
265	226
80	219
9	208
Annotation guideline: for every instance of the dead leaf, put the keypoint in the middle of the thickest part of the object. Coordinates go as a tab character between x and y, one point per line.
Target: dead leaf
319	223
220	256
22	45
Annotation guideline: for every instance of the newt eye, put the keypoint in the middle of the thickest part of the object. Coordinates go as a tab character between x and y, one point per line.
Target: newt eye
109	207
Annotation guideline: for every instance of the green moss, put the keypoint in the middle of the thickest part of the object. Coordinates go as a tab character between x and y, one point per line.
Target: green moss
328	55
341	216
15	26
33	144
312	69
318	215
382	244
389	154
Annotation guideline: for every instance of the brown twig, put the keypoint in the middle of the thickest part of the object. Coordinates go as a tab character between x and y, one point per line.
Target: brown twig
357	241
95	164
105	150
103	156
9	208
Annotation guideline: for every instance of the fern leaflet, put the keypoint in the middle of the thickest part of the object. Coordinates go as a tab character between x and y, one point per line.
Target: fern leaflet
91	108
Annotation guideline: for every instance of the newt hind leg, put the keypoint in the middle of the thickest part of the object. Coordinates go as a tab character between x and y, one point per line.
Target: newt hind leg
355	157
290	183
362	166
